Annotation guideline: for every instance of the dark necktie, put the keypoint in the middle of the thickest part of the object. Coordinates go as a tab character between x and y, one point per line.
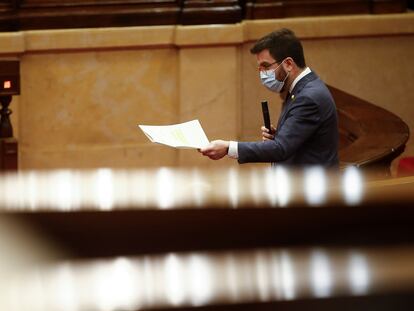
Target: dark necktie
287	97
283	111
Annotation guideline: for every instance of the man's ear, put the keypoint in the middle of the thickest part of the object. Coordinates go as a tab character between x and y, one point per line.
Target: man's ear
289	64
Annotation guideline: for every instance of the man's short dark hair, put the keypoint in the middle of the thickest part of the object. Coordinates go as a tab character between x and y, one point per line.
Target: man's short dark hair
281	43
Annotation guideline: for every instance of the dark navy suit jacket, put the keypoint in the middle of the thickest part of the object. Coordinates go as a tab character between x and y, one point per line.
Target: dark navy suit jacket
307	131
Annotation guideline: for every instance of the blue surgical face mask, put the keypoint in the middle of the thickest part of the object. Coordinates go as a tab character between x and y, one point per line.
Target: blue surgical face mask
268	78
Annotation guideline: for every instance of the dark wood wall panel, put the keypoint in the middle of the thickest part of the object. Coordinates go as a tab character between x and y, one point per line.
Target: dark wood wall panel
259	9
210	12
388	6
98	17
49	14
45	14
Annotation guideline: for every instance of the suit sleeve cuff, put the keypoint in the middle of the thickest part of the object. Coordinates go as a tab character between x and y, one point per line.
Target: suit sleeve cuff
233	150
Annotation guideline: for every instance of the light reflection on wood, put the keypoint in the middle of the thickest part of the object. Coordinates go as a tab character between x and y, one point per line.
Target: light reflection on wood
165	188
208	278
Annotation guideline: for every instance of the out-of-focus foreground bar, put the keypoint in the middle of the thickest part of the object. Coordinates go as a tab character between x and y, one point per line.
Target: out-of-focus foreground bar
252	239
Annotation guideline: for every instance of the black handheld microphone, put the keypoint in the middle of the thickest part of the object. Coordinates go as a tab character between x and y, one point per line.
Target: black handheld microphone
266	116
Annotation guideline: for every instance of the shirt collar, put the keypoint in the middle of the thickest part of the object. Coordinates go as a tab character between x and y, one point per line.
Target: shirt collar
300	76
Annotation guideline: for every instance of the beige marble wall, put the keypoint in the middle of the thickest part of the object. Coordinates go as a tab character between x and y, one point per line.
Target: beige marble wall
83	108
85	90
210	92
210	84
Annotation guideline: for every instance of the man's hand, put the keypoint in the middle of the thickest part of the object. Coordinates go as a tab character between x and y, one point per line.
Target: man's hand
216	149
266	135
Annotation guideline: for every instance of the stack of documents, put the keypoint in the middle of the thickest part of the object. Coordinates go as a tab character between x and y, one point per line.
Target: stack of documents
184	135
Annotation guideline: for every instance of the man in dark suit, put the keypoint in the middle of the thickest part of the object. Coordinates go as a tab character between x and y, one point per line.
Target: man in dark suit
307	130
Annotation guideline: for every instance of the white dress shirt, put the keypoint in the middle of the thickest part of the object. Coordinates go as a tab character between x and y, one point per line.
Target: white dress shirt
233	150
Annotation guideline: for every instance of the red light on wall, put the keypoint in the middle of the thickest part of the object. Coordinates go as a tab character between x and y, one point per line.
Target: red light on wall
7	84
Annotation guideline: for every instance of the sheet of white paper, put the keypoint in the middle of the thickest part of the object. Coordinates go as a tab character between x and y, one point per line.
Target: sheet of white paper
184	135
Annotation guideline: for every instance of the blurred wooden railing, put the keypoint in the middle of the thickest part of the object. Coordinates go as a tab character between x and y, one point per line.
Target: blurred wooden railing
49	14
206	240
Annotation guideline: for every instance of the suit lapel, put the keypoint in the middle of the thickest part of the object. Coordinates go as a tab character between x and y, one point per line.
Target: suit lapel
296	90
283	112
